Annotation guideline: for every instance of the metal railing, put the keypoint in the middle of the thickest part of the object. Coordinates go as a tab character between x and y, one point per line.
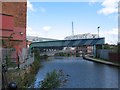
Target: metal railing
5	84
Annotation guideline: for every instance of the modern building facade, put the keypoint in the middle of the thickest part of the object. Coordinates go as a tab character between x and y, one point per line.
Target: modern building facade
38	39
87	49
81	36
13	28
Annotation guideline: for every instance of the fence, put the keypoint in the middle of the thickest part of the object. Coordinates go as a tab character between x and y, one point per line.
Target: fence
114	57
9	55
104	54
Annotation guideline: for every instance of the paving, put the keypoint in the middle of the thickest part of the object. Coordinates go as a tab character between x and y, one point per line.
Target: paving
101	61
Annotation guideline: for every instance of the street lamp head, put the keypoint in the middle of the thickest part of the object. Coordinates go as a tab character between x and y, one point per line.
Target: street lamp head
21	33
98	27
98	31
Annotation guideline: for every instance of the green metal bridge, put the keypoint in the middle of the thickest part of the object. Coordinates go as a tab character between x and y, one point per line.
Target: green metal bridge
68	43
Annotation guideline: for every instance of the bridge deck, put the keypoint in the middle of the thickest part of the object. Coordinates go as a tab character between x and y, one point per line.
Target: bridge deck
68	43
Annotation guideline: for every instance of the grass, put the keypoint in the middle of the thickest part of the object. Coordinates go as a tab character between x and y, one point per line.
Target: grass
24	78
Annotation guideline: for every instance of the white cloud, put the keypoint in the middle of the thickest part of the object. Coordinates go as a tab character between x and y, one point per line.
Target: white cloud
46	28
111	36
42	9
31	32
30	6
109	7
114	31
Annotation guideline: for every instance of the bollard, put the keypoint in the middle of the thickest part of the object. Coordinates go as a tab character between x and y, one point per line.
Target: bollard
4	68
12	86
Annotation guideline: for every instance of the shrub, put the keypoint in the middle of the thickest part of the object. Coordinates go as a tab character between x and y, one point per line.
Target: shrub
53	80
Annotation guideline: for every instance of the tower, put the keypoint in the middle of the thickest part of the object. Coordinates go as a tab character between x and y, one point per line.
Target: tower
72	28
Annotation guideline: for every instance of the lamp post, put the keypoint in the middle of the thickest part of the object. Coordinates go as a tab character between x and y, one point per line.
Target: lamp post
21	33
98	31
9	38
5	83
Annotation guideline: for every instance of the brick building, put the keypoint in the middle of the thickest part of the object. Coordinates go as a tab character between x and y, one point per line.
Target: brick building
13	28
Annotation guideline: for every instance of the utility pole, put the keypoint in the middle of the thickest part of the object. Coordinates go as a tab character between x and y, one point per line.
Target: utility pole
72	28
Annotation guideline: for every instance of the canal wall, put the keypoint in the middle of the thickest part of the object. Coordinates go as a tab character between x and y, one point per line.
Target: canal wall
109	55
104	54
100	61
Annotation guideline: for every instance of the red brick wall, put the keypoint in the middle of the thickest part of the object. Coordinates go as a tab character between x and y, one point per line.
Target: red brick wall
18	10
14	20
7	22
7	25
114	57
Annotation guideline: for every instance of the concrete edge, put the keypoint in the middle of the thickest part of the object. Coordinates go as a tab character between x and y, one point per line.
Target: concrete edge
99	61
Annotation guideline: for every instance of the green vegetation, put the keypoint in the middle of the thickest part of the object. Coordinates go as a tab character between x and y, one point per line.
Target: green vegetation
25	78
44	57
64	54
106	46
8	50
53	80
114	48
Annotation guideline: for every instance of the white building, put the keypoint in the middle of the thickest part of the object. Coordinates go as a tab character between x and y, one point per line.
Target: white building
81	36
38	39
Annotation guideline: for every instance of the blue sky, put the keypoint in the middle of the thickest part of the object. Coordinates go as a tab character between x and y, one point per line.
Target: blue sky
54	19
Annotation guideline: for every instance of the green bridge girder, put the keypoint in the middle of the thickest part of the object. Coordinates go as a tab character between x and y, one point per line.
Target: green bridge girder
68	43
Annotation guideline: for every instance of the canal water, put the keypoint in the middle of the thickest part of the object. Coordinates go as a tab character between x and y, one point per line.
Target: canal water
83	73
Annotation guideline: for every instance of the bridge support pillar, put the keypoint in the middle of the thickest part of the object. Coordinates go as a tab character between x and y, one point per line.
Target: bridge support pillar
94	51
77	52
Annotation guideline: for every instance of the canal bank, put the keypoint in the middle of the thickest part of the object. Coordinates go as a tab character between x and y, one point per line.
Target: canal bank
101	61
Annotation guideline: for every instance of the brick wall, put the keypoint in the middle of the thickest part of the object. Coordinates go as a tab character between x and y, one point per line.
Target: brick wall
14	24
0	7
18	10
114	57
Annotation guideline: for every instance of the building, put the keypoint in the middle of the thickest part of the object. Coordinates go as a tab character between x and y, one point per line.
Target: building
86	49
14	23
81	36
31	39
38	39
13	28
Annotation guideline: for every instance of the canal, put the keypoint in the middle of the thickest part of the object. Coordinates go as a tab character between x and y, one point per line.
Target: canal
83	73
